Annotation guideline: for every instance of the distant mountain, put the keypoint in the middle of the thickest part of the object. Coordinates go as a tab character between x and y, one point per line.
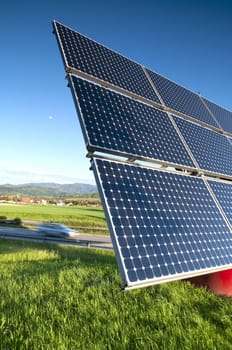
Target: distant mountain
47	190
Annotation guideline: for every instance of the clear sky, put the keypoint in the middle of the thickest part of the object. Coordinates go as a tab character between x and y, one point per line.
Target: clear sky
189	42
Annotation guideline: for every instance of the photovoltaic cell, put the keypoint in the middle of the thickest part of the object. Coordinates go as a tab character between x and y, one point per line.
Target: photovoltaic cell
181	99
212	150
89	57
118	123
223	116
163	225
223	193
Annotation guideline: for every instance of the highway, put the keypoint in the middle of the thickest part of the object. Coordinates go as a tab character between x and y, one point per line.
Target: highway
80	240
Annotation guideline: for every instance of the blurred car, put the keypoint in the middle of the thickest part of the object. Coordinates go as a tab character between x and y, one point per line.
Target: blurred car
57	230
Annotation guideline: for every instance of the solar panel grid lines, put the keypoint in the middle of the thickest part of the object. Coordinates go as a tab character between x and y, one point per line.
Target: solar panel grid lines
207	107
106	208
184	142
78	61
79	111
222	115
223	193
96	60
118	124
164	226
212	150
182	100
154	87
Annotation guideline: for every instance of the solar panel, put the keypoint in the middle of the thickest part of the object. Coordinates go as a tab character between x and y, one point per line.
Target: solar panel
223	116
118	124
164	226
181	99
86	55
223	193
212	150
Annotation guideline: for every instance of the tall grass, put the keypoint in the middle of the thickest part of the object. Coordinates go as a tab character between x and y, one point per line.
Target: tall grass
54	297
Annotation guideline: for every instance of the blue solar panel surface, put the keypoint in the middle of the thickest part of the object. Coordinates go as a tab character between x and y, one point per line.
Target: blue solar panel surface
163	225
92	58
223	116
181	99
118	123
212	150
223	193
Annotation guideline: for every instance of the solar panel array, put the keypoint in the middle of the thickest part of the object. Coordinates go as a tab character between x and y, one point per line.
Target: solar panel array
119	124
87	56
166	223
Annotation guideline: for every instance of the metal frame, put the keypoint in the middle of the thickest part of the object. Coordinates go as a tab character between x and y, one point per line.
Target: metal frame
115	88
161	106
144	163
172	278
131	157
185	116
55	31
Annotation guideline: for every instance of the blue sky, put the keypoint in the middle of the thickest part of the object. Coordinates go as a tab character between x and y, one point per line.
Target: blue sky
40	141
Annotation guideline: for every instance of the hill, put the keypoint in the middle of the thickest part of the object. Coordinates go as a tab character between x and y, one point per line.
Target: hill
47	190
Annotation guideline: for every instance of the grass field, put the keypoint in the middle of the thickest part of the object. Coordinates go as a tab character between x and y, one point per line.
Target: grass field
54	297
71	216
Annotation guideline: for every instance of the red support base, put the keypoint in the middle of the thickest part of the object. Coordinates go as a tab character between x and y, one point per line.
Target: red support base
219	283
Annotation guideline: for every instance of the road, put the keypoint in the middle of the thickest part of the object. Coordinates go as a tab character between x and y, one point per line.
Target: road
81	240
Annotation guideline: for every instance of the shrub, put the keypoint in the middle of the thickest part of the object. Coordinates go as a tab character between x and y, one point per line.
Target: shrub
17	221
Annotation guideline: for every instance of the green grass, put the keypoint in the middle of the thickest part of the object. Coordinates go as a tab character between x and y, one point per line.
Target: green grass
55	297
72	216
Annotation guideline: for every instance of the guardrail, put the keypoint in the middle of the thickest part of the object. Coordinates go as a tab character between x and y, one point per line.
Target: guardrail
97	244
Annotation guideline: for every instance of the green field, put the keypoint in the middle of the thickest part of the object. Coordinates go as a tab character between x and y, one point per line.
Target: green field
76	217
55	297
